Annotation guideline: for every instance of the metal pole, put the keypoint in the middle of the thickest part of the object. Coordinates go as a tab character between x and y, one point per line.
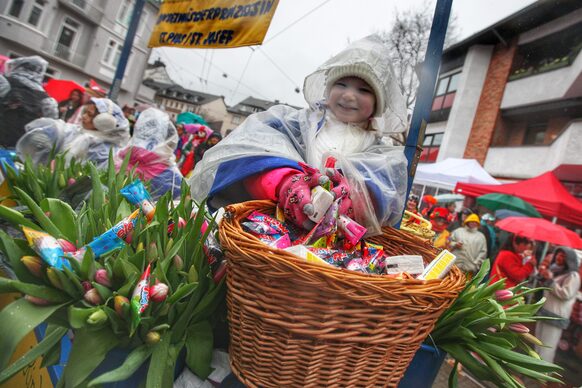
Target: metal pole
428	76
127	45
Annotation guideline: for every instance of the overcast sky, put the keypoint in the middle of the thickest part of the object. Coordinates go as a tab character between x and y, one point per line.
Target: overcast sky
292	51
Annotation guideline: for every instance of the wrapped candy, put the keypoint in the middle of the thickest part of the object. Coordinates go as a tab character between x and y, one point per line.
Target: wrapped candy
137	194
114	238
140	298
47	247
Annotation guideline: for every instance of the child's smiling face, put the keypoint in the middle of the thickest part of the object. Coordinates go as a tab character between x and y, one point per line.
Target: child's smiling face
352	100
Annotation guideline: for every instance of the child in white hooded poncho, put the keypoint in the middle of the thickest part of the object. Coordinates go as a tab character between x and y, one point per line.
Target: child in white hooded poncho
260	158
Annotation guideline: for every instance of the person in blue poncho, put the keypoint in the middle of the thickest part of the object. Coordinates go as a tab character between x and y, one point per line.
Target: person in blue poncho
354	105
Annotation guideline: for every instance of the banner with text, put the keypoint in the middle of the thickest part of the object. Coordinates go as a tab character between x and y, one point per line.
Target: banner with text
212	23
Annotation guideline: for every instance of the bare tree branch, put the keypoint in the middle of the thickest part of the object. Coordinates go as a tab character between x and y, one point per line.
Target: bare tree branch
407	40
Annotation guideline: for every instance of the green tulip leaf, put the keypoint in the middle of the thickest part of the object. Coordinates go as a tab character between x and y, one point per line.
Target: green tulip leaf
199	342
132	363
89	349
51	340
64	217
39	215
17	320
16	218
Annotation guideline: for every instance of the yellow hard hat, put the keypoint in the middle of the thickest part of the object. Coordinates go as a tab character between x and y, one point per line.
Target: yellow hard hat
472	218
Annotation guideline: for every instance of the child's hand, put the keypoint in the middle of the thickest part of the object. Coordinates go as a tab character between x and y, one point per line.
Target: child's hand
295	193
341	189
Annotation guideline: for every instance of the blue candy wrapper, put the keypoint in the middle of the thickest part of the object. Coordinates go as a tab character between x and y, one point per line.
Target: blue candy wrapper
137	194
47	247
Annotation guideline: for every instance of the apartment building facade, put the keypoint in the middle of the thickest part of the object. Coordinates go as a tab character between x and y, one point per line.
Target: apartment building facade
510	96
81	39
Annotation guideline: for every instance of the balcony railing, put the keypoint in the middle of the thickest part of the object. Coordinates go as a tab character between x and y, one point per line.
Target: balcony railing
64	52
85	9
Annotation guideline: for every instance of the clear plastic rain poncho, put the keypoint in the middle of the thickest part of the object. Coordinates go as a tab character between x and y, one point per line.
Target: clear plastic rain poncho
79	143
23	98
42	135
377	173
152	152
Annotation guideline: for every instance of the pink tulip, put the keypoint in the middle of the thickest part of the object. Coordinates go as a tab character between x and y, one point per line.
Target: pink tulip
52	165
86	285
181	223
71	181
36	301
503	295
93	297
66	245
159	292
178	262
102	277
518	328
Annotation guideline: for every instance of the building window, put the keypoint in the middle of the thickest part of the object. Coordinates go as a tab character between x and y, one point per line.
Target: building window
236	120
535	133
35	13
16	8
143	22
80	3
125	11
548	53
430	147
67	39
445	92
112	53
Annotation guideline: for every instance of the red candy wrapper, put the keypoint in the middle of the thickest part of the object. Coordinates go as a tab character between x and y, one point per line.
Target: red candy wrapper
140	298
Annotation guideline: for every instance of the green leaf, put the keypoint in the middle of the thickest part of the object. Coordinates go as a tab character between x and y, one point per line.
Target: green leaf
184	289
17	320
51	340
44	292
39	215
89	349
78	316
16	218
52	356
63	216
132	363
97	196
453	378
199	342
10	247
88	265
158	363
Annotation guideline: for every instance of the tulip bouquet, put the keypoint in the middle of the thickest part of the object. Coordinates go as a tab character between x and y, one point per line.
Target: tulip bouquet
51	180
156	297
484	331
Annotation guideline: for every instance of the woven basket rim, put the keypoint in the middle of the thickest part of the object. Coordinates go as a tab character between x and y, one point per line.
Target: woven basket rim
234	214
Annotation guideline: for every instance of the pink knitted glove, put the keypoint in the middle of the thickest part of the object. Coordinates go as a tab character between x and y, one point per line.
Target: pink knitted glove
295	195
341	189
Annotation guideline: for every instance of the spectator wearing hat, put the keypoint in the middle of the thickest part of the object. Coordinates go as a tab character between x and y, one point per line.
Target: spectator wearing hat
440	220
469	245
460	220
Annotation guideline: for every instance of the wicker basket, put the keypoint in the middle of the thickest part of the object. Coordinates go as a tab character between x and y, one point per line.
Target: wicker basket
296	324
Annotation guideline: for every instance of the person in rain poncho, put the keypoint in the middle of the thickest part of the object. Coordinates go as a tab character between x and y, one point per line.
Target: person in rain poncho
152	152
193	135
563	281
469	245
103	128
22	97
354	102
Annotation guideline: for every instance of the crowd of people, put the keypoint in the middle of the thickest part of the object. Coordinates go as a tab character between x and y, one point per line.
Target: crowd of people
474	239
88	126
